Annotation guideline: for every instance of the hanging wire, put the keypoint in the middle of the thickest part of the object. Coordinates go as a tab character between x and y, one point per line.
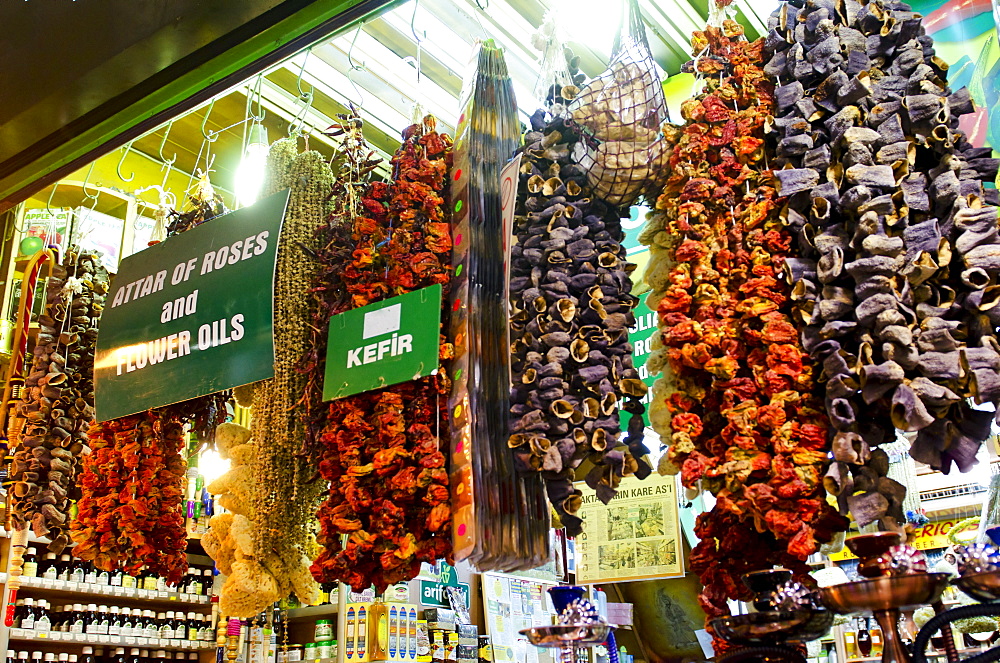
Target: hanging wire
355	67
86	181
420	42
297	126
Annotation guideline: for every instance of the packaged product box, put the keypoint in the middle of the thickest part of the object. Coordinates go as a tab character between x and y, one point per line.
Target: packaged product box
466	653
440	618
468	634
423	642
376	631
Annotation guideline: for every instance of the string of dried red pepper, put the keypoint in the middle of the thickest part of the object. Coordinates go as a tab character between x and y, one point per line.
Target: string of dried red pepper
746	422
381	451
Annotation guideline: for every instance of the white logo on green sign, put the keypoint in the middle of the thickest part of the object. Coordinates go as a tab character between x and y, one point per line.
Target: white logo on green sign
383	344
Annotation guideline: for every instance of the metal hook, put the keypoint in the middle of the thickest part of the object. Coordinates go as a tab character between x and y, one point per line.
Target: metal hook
48	204
163	143
302	71
211	136
86	181
355	67
255	91
118	168
413	31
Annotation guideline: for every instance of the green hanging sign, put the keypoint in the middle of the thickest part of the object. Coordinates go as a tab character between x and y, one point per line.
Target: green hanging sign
382	344
191	315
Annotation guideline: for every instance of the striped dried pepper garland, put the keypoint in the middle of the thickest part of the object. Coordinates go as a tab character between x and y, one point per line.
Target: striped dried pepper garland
746	422
382	451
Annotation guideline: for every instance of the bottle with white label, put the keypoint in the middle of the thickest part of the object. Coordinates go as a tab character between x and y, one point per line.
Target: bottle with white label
167	625
64	567
30	567
115	621
50	567
78	572
78	623
43	621
104	619
152	623
90	575
28	616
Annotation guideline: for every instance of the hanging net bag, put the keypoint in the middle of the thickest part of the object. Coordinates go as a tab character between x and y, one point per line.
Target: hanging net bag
620	114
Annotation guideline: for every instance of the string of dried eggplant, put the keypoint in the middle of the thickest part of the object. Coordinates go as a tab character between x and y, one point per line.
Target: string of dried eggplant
57	402
571	360
897	280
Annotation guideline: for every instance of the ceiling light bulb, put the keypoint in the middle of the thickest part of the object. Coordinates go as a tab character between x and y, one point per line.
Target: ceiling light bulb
253	166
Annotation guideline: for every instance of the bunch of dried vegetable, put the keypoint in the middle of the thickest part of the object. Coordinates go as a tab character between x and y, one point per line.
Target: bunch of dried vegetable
57	402
150	500
382	451
285	496
745	421
571	360
897	284
130	513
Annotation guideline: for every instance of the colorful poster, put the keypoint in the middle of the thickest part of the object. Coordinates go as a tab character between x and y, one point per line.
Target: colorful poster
512	605
636	536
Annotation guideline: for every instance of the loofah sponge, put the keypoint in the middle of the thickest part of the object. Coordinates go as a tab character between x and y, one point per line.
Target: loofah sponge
229	435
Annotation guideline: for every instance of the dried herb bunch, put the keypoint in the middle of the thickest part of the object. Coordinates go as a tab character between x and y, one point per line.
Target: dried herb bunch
382	451
898	278
571	299
57	402
746	421
285	494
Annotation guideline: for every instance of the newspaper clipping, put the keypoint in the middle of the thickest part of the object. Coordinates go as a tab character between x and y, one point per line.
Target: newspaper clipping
636	536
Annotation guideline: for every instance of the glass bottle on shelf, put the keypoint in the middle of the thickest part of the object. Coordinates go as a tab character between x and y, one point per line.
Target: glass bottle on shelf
22	656
49	568
193	626
11	656
64	567
166	624
115	578
864	638
49	657
207	582
36	656
90	575
850	641
115	621
152	626
133	655
129	581
30	567
78	571
103	620
119	656
80	620
876	633
28	615
63	658
43	621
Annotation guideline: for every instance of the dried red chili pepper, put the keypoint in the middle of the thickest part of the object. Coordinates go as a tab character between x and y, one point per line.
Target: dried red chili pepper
746	423
381	451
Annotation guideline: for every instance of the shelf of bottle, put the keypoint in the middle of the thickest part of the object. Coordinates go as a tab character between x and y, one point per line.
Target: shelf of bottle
63	588
313	611
970	650
112	640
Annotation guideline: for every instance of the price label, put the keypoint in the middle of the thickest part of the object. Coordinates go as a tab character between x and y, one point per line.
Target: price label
162	594
130	640
105	639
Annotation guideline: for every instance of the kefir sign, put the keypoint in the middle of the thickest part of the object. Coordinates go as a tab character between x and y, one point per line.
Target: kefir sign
192	315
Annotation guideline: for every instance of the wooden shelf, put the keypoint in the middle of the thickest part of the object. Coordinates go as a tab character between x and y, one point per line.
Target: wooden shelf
29	635
61	589
973	650
313	612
